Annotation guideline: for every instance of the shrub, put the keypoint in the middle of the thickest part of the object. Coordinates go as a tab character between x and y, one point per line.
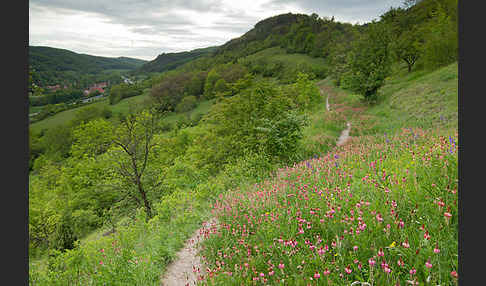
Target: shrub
187	103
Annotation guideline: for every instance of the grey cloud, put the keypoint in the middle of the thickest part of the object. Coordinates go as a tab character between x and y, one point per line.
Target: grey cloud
172	30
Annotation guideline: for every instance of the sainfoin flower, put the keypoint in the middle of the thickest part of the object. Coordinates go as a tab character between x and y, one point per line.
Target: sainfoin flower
406	244
348	270
371	261
436	249
428	264
413	271
454	274
317	275
281	266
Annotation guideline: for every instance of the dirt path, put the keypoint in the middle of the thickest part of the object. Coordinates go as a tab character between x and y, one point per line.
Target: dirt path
186	269
345	133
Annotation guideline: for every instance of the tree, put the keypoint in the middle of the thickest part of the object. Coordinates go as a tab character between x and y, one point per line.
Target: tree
441	45
187	103
91	138
370	61
135	139
407	48
211	80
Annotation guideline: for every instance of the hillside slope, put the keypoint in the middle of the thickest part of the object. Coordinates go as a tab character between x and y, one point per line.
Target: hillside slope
382	209
52	64
169	61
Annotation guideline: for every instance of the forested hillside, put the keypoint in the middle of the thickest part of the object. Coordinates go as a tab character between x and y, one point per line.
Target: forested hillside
169	61
243	135
59	66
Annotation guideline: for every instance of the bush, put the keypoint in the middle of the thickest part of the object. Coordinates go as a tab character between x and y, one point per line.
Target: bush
187	103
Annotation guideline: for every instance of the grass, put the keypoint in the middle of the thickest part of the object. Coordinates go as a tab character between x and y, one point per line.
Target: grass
381	209
419	99
371	200
202	108
278	54
290	64
399	185
63	117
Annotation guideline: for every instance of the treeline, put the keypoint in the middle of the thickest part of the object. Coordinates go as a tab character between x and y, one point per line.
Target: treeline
58	96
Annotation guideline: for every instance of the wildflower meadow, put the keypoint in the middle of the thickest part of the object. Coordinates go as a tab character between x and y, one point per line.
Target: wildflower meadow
381	210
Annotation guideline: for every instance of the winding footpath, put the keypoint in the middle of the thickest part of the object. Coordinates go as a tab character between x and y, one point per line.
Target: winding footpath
187	268
345	133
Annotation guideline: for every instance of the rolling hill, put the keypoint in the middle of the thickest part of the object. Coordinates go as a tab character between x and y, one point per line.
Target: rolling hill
169	61
53	65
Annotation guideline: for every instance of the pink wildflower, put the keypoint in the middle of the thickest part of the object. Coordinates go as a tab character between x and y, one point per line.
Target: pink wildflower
406	244
436	249
371	261
348	270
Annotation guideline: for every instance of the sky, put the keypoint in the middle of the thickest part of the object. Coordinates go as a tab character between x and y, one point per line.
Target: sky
144	29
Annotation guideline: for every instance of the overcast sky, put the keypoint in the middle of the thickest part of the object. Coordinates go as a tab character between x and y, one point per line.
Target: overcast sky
146	28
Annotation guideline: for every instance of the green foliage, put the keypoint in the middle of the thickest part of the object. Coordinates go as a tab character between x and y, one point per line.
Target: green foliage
212	78
57	142
276	62
408	48
87	114
169	61
132	156
187	103
441	45
91	138
220	86
58	66
370	62
124	90
170	89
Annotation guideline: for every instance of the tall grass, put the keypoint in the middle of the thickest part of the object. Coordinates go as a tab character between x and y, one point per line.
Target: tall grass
380	210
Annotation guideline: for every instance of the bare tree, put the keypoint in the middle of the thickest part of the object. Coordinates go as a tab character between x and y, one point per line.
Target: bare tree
135	137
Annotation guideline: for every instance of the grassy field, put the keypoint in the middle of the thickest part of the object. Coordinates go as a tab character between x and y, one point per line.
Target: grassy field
65	116
277	63
202	108
278	54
